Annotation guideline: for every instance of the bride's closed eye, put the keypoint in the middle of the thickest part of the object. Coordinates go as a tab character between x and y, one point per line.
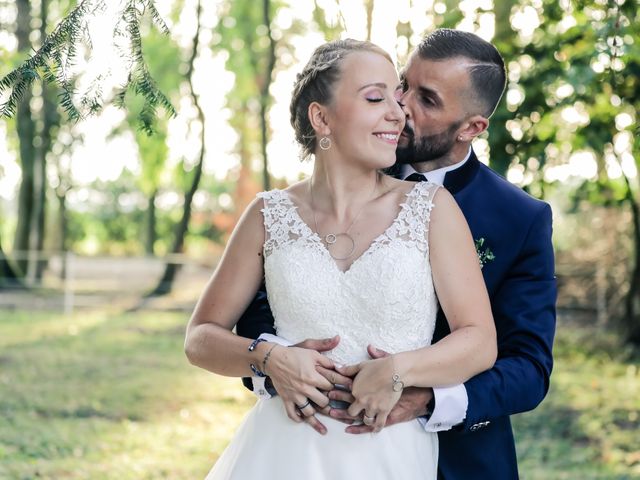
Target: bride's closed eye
375	100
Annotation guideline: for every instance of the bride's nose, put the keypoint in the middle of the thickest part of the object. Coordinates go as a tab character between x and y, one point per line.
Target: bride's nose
395	112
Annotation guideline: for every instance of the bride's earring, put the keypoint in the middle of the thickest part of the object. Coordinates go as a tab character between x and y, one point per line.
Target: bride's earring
325	143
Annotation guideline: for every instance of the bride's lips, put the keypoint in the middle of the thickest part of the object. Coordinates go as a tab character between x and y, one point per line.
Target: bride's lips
388	137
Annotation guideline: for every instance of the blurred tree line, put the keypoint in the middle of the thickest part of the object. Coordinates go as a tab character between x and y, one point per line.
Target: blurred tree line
572	100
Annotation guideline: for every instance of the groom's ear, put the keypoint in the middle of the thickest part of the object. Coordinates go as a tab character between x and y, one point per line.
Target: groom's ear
473	127
318	117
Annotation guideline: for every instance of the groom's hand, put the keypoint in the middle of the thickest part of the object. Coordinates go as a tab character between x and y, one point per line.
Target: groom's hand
325	345
412	403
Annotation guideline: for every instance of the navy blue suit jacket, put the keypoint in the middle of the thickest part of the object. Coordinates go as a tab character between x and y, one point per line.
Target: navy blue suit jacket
520	280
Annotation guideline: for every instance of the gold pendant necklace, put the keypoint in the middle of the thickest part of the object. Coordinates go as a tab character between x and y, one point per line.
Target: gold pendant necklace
331	238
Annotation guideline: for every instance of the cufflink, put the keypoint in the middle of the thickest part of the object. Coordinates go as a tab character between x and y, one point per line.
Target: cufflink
478	426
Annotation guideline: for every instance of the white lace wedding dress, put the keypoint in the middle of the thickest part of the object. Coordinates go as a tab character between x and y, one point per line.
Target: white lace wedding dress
385	298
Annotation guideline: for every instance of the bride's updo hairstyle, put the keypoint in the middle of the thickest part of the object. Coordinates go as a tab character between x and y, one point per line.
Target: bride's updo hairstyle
316	83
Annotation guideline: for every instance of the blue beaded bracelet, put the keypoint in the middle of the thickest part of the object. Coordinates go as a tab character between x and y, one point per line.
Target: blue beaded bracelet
255	371
252	347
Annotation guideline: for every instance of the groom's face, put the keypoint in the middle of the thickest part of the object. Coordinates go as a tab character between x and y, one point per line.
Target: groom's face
434	98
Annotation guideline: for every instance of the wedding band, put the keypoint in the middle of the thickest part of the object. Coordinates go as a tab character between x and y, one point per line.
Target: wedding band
304	406
367	419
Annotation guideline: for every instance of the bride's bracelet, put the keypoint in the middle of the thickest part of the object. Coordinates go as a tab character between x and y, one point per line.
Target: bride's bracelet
251	348
266	358
397	385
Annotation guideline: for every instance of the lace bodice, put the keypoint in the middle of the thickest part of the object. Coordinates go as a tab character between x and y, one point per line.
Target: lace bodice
386	298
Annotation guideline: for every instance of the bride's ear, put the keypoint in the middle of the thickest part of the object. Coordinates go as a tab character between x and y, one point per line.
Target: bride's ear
318	118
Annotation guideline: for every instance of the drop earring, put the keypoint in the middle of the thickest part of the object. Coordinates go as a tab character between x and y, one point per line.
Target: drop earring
325	143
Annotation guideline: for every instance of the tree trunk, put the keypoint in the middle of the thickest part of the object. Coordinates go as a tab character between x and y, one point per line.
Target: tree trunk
26	130
8	277
631	321
368	5
150	237
264	94
62	228
50	120
171	268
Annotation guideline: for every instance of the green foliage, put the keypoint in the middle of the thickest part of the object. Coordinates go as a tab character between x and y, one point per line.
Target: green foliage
594	63
241	33
330	30
55	59
164	61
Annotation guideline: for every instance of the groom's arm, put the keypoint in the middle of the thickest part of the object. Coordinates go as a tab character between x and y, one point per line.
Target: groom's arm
256	320
524	312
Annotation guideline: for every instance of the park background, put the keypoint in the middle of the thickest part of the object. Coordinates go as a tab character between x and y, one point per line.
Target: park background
123	174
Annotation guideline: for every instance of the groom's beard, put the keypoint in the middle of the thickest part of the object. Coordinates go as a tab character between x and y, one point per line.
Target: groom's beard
424	149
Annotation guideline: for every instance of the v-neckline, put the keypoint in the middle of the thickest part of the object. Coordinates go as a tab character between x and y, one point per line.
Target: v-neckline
376	240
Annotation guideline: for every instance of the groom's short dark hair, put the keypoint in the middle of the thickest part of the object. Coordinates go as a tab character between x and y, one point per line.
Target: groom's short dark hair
487	71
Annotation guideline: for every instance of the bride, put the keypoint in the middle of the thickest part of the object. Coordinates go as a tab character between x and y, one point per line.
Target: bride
350	252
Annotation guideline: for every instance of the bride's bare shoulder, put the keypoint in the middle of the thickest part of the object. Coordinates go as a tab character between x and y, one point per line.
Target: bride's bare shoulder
395	187
298	192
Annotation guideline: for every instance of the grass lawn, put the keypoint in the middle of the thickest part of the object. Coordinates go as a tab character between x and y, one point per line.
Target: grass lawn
102	396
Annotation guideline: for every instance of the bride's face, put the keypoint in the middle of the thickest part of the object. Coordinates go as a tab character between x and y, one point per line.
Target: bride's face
364	116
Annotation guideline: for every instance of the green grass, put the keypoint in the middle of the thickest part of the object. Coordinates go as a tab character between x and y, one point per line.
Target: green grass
100	396
108	397
588	427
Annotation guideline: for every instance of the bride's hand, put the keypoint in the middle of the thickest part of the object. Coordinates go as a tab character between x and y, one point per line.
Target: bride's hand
295	375
373	390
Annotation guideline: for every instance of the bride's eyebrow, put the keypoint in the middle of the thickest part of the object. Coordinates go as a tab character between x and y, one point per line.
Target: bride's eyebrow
377	84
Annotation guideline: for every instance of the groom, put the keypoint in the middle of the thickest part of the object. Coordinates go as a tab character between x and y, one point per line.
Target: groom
452	84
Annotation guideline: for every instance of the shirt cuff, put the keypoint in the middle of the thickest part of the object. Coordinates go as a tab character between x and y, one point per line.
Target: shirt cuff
450	409
260	390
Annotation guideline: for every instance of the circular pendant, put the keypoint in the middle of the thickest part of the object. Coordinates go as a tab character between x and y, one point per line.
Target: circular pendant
335	238
330	238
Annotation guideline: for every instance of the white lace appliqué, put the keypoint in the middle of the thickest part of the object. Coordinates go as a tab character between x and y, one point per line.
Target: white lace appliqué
386	298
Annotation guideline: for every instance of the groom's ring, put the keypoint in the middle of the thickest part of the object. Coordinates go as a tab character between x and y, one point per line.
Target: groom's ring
302	407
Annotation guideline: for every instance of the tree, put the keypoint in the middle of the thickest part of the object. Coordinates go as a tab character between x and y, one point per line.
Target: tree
164	59
247	35
53	63
26	130
194	176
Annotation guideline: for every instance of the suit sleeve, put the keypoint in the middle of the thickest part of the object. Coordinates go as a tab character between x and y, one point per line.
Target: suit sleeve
256	320
524	312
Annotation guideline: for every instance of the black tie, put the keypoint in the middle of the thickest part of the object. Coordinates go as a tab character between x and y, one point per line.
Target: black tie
416	177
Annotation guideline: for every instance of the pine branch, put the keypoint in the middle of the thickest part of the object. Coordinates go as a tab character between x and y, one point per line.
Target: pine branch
56	58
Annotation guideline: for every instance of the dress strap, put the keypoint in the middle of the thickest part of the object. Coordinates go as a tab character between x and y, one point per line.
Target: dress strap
418	214
420	202
282	223
411	226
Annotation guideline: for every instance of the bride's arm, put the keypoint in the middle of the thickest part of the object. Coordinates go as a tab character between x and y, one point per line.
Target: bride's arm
469	349
211	345
209	342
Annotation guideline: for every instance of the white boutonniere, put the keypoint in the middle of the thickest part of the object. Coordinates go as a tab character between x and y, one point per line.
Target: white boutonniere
484	253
